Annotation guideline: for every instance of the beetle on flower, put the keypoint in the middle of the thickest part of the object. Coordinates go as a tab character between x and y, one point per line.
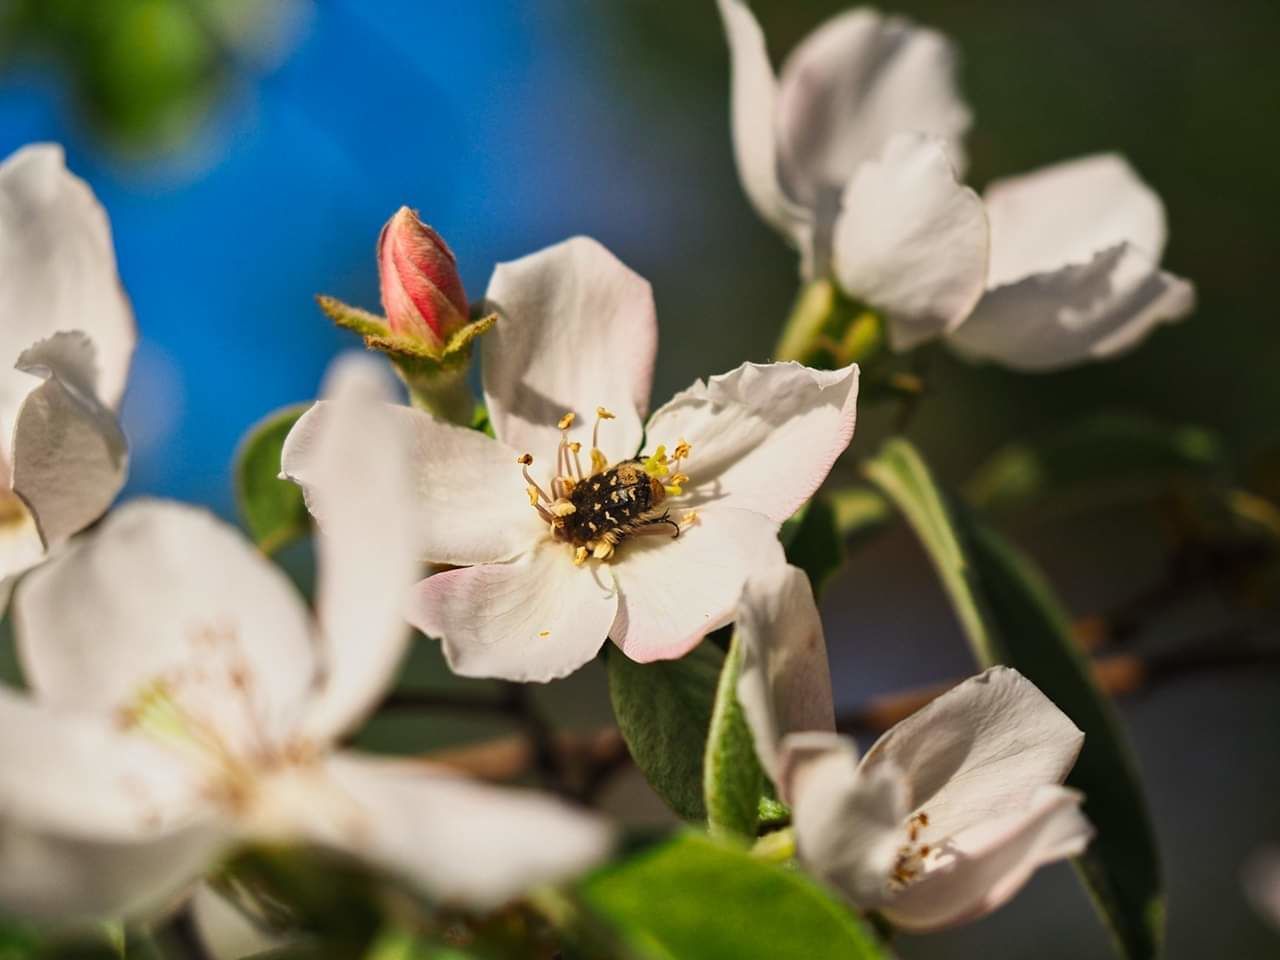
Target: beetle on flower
948	814
565	531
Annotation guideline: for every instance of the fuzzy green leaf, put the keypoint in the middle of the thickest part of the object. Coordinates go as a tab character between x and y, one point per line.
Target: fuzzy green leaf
693	897
1010	616
272	509
732	778
1110	452
664	712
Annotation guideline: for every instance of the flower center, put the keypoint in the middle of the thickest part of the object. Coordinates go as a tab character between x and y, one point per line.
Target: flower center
594	511
913	855
207	712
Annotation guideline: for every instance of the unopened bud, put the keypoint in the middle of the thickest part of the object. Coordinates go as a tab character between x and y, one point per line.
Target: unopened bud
421	291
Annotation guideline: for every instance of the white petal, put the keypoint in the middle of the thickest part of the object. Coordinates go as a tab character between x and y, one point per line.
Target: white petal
166	592
1069	212
764	436
673	591
753	96
93	823
980	751
785	683
853	83
469	498
848	822
226	932
985	866
367	553
461	842
1078	313
57	273
535	618
577	330
21	546
69	456
1261	878
911	240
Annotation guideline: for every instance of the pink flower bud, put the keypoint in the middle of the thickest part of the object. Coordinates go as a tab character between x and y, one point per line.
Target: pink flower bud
422	293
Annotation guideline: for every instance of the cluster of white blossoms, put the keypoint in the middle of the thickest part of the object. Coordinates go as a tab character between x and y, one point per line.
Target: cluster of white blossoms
854	154
181	699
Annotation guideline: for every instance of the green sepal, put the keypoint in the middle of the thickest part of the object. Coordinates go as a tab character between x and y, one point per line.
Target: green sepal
731	775
353	318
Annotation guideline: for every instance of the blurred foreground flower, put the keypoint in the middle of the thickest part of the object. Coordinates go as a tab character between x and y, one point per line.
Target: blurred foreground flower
184	700
426	332
853	155
948	814
69	336
558	555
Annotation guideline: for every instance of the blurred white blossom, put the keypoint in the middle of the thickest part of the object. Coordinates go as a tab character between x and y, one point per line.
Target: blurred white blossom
948	814
64	358
184	699
562	531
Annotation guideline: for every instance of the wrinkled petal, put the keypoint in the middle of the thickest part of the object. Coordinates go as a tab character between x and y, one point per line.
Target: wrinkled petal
226	932
57	273
850	86
1067	214
982	868
764	436
366	552
848	822
93	823
980	751
461	842
577	330
673	591
535	618
752	100
1084	312
469	498
69	456
785	684
165	593
911	240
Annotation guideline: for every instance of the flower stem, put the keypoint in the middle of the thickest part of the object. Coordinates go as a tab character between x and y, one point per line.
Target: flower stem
828	329
439	389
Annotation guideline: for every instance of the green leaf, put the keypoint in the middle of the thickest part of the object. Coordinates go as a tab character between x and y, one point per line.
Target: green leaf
1010	616
692	897
1112	451
732	778
813	543
859	512
272	509
664	712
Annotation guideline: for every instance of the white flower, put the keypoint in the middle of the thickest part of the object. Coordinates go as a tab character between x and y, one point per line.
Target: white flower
184	699
1075	268
64	357
948	814
853	154
581	541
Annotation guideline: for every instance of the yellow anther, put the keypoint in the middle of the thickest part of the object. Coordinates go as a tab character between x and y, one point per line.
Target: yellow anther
682	450
689	519
603	550
533	495
525	459
544	633
567	421
603	414
673	489
562	508
656	464
580	556
575	446
679	478
598	461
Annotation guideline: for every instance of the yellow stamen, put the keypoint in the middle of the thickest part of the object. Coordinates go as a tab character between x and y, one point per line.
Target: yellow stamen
580	556
525	459
533	495
544	633
673	489
603	414
562	508
682	450
603	550
567	421
598	462
656	464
